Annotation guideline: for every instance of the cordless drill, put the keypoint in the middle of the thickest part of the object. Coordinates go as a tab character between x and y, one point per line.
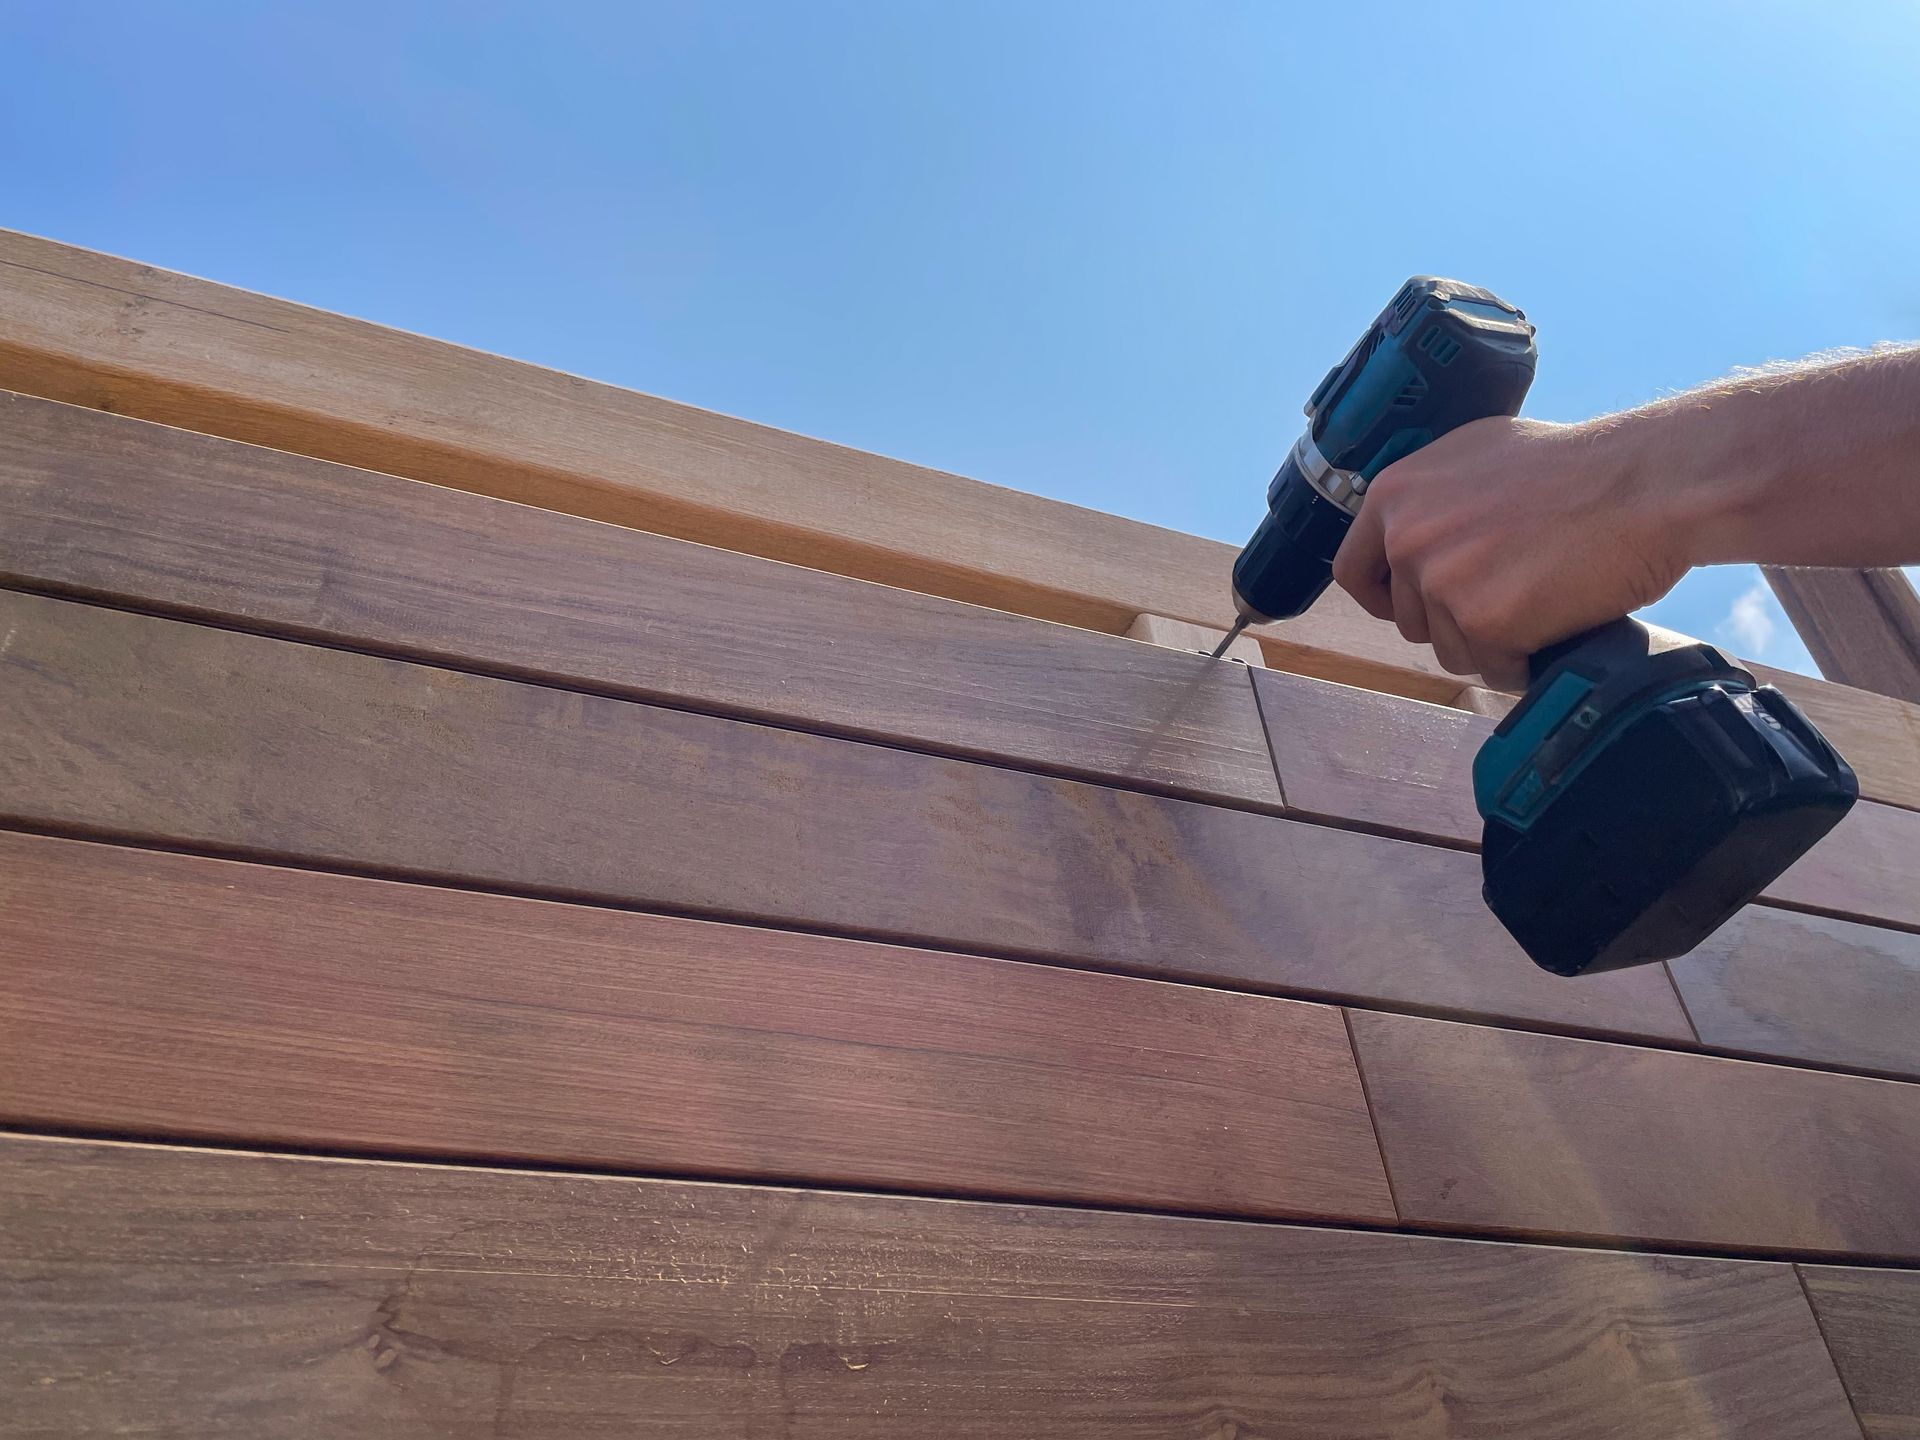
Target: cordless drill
1645	788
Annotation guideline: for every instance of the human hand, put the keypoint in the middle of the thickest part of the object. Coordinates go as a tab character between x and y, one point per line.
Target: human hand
1506	535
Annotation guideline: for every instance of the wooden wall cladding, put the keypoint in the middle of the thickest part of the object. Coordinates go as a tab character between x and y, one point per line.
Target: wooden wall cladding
102	332
1863	870
114	335
1772	982
1357	757
186	735
1871	1320
372	1016
1544	1136
168	519
1805	987
104	505
211	1294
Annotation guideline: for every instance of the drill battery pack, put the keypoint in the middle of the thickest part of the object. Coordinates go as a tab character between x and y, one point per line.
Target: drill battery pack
1645	790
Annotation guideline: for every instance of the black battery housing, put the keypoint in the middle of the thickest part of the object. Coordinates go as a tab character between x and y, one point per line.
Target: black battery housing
1682	812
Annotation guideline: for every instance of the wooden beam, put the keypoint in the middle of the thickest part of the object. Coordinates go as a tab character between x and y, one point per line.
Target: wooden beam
209	739
1862	627
1550	1137
217	1294
373	1017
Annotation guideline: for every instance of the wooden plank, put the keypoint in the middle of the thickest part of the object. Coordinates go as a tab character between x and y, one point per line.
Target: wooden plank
1358	757
1871	1320
1542	1135
1861	626
1867	868
110	334
168	519
192	1293
371	1016
1771	982
107	333
1179	635
1807	987
186	735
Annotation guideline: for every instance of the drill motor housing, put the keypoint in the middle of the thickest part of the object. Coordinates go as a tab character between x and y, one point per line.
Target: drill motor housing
1645	788
1441	354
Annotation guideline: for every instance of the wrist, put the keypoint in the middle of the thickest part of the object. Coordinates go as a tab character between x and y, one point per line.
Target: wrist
1693	478
1628	454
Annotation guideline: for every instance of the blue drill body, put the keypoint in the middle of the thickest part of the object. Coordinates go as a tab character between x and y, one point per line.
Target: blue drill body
1645	787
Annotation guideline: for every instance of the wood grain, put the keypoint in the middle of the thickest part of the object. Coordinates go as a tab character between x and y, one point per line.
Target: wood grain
94	330
183	734
1807	987
378	1017
1861	626
110	334
1771	982
1868	867
1871	1320
185	1293
1541	1135
167	519
1358	757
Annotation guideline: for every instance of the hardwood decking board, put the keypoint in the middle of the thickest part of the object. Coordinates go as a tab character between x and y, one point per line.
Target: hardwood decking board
1546	1136
1772	982
1868	868
181	734
374	1017
1871	1321
205	1294
1356	756
99	331
110	334
1807	987
160	518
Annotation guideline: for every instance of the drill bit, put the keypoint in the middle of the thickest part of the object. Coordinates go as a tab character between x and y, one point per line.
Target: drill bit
1221	648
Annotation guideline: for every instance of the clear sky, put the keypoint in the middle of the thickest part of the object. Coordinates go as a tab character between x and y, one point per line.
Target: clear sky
1100	251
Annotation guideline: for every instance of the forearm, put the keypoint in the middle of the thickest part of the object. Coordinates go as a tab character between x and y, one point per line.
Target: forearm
1817	465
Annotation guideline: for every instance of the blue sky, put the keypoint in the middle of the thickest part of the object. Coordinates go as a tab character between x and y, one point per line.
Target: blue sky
1097	251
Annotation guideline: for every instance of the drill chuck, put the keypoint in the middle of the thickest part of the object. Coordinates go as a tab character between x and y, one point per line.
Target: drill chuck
1289	561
